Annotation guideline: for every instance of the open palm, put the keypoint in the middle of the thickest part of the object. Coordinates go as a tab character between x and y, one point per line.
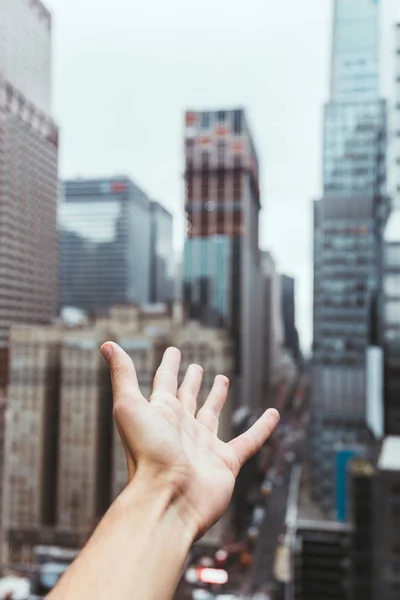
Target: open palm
167	438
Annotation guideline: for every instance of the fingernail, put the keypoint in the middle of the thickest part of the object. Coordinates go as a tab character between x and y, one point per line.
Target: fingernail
107	351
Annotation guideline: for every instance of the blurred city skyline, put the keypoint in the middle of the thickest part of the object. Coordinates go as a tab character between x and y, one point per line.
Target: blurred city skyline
121	86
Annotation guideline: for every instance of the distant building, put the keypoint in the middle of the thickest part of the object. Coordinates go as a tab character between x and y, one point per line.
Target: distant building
391	287
320	549
106	251
273	330
289	316
63	455
349	223
391	326
221	267
375	518
162	255
385	548
28	167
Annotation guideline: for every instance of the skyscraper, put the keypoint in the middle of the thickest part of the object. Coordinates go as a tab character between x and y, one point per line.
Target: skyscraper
28	171
162	255
105	244
392	273
221	270
288	302
355	65
348	242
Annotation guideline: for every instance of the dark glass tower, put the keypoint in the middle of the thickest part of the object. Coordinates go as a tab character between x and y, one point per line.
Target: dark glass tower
105	244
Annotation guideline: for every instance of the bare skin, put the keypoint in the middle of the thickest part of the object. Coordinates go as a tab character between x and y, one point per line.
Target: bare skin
181	479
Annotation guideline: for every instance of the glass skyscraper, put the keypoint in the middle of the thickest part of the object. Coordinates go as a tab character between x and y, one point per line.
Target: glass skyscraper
348	242
105	228
355	64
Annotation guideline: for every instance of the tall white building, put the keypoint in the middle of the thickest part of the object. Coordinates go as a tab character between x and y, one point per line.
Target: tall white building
28	171
25	49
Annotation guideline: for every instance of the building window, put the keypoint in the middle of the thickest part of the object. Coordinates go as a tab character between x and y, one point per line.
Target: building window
189	150
205	120
221	152
237	222
221	116
205	159
189	180
204	187
237	162
237	122
204	222
237	186
220	186
220	222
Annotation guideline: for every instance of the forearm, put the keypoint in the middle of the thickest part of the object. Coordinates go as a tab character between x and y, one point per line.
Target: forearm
137	552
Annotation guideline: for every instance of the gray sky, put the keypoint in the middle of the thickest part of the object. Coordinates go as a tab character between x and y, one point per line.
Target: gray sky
124	72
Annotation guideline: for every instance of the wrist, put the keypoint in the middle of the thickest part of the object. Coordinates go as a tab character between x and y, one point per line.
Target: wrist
163	502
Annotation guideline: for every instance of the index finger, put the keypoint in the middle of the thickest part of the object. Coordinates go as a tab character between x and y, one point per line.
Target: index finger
166	378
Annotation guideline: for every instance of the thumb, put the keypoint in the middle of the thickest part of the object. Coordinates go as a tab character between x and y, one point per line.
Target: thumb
124	380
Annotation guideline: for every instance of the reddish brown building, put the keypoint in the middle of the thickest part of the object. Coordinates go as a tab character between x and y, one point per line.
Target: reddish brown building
222	279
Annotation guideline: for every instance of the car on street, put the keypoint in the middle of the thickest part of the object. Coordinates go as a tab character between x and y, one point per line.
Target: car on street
266	487
258	516
253	532
202	594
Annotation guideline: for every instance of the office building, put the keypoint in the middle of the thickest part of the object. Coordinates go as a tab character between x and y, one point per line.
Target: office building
63	455
391	335
288	299
319	547
273	329
375	516
358	558
31	433
162	255
362	512
386	547
105	227
222	281
349	223
85	435
28	167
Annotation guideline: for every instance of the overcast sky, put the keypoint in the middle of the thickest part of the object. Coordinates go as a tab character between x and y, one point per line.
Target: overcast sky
125	71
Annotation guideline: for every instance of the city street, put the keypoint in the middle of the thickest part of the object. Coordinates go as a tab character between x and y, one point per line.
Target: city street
260	575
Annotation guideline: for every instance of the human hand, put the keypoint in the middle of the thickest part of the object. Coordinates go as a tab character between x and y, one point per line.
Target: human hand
167	441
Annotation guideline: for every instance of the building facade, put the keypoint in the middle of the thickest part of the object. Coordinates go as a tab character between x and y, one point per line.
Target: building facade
349	224
288	299
273	329
162	255
105	228
28	167
392	273
222	281
64	459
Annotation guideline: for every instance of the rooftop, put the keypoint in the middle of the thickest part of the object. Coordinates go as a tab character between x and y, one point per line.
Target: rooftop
389	458
311	516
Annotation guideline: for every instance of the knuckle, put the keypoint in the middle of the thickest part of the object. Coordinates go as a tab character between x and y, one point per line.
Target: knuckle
119	409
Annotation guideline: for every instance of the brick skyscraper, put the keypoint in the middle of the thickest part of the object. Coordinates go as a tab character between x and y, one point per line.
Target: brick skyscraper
222	277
